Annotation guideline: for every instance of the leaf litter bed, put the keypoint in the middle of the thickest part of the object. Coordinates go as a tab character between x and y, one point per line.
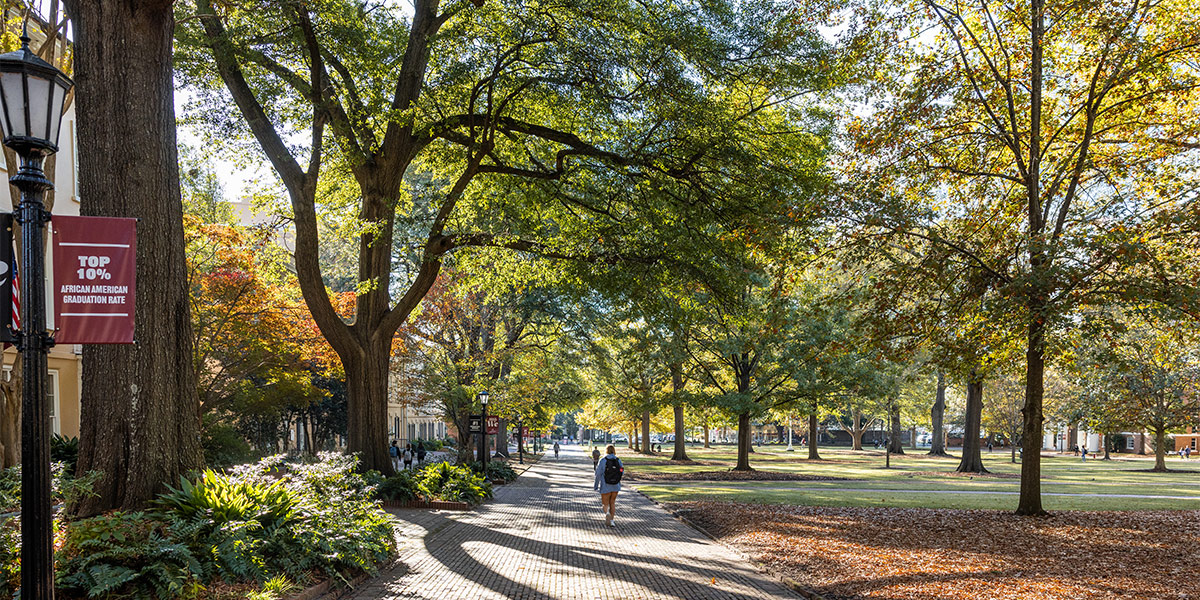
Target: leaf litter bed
909	554
728	476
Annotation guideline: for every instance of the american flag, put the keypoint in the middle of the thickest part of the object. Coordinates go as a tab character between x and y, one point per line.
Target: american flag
16	297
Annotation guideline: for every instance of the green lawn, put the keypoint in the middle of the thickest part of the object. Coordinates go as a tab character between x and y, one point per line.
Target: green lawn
918	480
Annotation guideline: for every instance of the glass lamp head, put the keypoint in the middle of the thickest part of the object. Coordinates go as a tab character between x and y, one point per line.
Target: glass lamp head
32	93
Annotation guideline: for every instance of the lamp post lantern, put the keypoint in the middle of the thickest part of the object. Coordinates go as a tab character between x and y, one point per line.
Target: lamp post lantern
483	455
32	93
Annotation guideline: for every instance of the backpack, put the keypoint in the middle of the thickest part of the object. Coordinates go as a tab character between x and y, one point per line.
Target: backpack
393	451
613	471
407	455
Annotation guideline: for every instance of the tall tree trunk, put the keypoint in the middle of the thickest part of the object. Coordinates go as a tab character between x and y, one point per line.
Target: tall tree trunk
140	421
502	438
912	437
813	432
10	418
1030	502
856	430
647	446
706	436
366	409
364	342
1104	443
937	415
894	442
680	452
971	461
743	443
633	440
1160	449
677	385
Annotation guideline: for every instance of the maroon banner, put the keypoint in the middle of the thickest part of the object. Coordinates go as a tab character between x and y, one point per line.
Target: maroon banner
524	432
493	425
95	269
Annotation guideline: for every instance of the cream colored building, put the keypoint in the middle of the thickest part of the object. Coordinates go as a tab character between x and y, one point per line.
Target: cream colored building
66	374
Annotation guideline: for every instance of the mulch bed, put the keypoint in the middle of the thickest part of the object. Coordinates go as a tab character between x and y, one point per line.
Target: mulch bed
893	553
728	476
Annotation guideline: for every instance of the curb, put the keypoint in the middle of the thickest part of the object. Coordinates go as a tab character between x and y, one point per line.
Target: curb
435	504
320	589
787	582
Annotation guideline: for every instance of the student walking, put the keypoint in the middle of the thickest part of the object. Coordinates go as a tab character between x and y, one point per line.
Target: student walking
595	457
394	453
608	483
420	453
555	449
408	457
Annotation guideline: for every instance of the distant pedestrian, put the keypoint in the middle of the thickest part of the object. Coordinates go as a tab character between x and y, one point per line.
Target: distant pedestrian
989	446
1083	452
608	482
595	457
420	453
394	453
555	449
408	457
1187	452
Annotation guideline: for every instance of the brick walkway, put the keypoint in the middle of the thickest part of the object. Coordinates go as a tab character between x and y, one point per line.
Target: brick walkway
544	538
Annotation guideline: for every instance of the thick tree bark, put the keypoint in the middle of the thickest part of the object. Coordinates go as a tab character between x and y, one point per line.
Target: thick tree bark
912	437
502	438
857	429
680	452
1104	443
677	385
813	431
647	447
743	460
366	409
1030	502
10	418
937	415
1160	449
894	442
971	461
706	436
140	421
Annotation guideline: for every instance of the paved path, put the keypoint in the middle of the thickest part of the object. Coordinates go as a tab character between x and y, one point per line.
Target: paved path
544	538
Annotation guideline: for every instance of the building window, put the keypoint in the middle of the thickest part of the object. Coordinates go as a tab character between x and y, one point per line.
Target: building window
51	396
1129	443
52	400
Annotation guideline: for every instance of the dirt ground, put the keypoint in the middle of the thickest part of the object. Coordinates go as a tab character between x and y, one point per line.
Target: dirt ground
893	553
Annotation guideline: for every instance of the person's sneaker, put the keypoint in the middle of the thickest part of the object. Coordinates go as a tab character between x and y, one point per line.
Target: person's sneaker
611	524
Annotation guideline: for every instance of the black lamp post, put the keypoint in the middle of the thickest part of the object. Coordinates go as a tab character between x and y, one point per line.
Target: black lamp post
483	454
32	92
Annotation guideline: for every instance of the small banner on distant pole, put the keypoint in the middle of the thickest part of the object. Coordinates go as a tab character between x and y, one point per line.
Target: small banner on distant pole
95	270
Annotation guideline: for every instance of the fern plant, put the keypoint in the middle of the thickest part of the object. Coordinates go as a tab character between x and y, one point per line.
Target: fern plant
127	554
